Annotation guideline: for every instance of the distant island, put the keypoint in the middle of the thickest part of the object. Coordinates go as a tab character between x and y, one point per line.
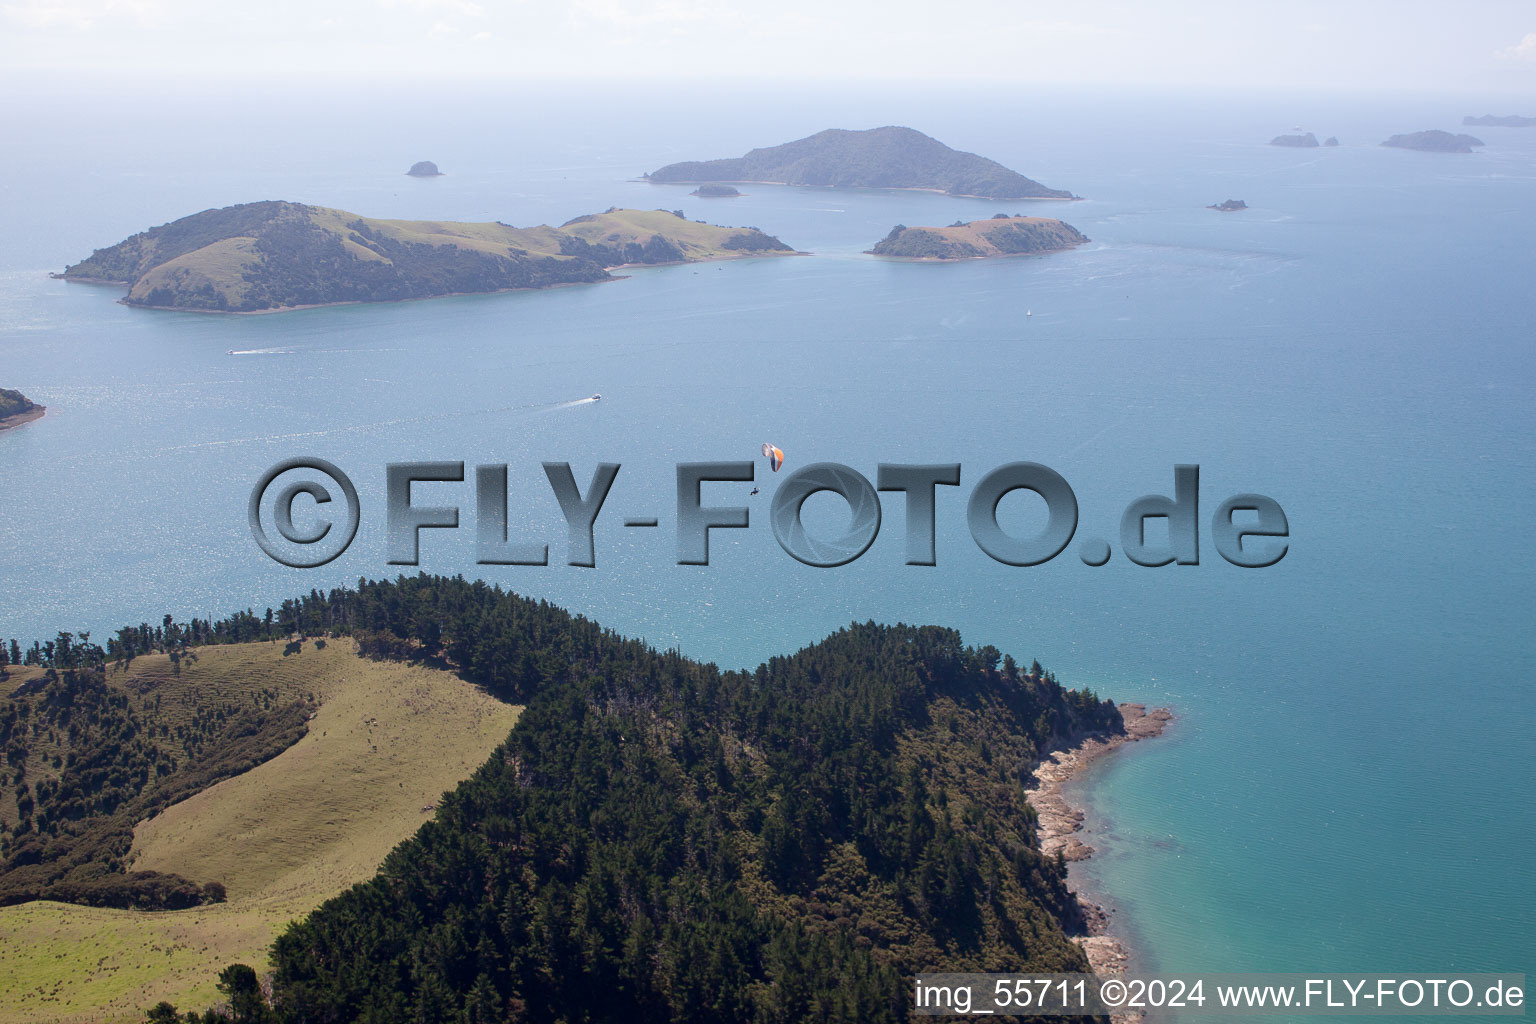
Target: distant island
16	409
1002	235
1507	121
274	255
1306	141
1229	206
713	190
1332	140
1434	141
890	157
424	169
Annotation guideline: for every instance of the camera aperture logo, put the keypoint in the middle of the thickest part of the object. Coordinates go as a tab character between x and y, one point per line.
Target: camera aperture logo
1257	539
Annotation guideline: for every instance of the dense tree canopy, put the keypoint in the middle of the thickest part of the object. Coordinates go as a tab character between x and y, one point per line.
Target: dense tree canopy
660	840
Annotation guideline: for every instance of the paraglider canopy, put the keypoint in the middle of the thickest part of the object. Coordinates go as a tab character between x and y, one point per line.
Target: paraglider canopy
775	456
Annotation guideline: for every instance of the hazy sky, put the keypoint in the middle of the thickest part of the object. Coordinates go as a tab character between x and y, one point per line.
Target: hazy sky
1477	45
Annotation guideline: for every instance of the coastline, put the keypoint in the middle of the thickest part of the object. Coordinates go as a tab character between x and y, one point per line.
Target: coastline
964	259
1059	821
745	255
34	413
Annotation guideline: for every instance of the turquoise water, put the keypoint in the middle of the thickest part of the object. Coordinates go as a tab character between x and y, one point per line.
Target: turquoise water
1348	786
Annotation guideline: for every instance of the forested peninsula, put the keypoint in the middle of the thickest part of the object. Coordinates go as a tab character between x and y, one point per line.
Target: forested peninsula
889	157
656	840
274	255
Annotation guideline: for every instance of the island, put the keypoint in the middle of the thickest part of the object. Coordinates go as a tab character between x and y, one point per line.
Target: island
889	157
16	409
714	190
1506	121
1001	235
1332	140
274	255
424	169
1229	206
1434	141
1306	141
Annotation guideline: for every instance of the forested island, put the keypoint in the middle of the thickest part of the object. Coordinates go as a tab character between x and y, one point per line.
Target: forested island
1434	141
1000	235
656	839
1229	205
16	408
1306	141
424	169
714	190
1497	121
889	157
271	256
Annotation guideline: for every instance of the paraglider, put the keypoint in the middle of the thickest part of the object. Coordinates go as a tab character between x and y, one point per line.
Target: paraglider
775	456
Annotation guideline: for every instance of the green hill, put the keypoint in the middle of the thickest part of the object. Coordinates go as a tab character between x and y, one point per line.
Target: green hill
268	256
999	236
14	403
655	840
382	742
890	157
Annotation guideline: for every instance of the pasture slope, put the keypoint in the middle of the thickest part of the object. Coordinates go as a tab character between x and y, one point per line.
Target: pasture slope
387	740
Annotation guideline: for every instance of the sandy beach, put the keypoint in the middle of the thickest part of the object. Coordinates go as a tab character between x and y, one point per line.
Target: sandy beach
1060	822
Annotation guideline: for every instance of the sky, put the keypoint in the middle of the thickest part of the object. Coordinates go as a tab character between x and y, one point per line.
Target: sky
1467	46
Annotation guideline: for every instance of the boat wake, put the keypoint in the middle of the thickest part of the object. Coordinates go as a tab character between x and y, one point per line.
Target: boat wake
261	352
589	400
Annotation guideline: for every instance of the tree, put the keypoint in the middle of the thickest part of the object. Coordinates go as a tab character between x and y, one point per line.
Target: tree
247	1005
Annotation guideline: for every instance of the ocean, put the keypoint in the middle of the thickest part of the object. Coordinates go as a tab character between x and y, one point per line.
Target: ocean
1347	786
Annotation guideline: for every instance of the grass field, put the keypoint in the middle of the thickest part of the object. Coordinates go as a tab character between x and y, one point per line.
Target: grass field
387	741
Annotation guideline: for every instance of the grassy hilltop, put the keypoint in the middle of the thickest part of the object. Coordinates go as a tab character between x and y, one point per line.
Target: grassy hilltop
268	256
998	236
889	157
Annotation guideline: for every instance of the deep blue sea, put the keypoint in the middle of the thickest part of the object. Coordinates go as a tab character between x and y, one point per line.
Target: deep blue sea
1348	786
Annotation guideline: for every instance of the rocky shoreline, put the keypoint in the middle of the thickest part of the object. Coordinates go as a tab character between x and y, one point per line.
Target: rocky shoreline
23	417
1059	822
